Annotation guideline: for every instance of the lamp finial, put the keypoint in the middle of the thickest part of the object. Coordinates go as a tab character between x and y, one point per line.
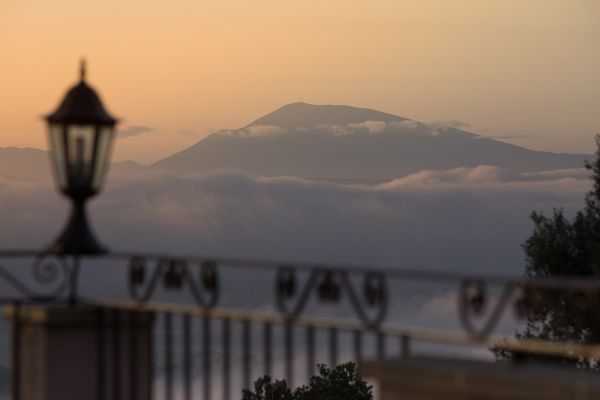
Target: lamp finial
82	69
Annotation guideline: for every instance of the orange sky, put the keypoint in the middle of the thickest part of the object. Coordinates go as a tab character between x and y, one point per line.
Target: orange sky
529	69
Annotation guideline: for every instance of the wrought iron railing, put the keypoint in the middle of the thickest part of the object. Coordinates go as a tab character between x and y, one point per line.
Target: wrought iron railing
246	318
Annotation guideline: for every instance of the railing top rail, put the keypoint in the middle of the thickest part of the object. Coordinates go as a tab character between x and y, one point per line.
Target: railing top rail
527	345
556	282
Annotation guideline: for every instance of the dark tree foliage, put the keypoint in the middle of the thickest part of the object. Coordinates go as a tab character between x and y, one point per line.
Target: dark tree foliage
341	383
562	247
264	389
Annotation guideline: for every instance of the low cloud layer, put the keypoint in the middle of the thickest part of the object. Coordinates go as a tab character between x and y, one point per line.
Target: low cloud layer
253	131
373	127
406	127
487	174
134	130
468	219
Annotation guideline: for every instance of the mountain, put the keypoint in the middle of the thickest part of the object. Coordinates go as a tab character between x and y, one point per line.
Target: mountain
304	115
24	163
28	163
342	142
127	166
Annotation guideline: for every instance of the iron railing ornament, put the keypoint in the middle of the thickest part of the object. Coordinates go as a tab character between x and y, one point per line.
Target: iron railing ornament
474	304
175	275
330	284
208	275
329	289
47	270
374	288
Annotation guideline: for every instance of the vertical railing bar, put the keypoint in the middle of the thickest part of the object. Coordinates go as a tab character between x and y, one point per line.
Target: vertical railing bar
267	347
100	354
358	346
310	351
226	357
168	357
206	356
289	354
116	354
405	346
187	358
380	346
332	348
133	354
149	352
73	280
246	354
16	353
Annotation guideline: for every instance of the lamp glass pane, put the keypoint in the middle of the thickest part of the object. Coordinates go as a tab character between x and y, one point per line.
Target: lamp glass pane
104	144
80	151
57	156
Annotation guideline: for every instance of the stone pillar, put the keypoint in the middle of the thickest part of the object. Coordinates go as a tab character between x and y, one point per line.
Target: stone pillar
450	379
80	353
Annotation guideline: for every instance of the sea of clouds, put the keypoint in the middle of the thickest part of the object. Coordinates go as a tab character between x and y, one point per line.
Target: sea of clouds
465	220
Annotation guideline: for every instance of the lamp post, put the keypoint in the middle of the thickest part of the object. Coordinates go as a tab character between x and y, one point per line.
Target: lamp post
81	135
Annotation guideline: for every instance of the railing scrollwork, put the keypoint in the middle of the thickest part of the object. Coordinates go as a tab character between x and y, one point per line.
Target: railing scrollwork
47	270
174	274
329	286
474	303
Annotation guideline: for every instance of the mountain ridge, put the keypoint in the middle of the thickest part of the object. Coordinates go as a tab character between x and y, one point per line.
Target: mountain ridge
34	164
344	142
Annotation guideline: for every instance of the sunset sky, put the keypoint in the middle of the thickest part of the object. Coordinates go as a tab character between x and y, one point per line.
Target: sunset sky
528	71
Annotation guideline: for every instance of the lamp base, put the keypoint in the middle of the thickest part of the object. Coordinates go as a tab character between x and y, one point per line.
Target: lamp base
77	237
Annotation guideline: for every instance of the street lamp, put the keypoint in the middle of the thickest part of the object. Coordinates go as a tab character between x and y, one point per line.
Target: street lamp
81	135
